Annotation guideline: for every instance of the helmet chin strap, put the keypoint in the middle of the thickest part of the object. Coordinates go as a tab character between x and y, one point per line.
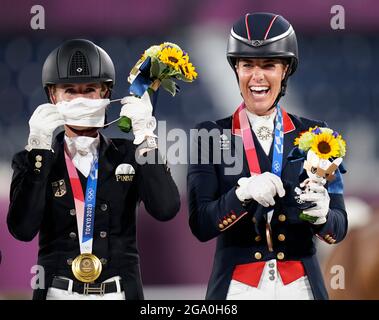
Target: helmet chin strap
283	87
280	95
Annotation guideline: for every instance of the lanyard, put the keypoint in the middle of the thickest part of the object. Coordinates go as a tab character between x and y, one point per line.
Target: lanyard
85	207
277	159
249	146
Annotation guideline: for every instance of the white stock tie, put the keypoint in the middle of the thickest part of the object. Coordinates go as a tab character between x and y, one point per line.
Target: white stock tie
83	150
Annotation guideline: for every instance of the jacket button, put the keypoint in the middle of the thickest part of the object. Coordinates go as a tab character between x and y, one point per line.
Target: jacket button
280	255
69	261
103	261
258	255
72	235
38	165
38	158
281	237
225	222
103	234
104	207
282	218
233	216
258	238
221	226
230	220
72	212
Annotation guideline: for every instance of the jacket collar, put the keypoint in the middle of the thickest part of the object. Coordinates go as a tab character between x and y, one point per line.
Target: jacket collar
109	155
289	130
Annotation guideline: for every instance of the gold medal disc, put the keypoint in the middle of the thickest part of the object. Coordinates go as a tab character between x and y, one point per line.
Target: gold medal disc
86	267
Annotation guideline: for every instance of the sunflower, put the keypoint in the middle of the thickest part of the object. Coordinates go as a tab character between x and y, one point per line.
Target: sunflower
325	146
172	57
189	71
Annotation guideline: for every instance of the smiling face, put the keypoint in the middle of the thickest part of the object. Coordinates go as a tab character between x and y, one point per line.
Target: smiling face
260	82
69	91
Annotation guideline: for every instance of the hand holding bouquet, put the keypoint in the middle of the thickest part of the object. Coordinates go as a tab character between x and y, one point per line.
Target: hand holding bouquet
160	65
325	150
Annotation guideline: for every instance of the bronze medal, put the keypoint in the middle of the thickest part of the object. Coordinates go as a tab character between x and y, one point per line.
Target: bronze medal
86	267
269	237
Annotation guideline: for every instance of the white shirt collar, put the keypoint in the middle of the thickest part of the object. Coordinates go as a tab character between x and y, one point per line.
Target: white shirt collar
258	121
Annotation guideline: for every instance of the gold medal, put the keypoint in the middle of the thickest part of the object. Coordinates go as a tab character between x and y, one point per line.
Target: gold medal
86	267
269	237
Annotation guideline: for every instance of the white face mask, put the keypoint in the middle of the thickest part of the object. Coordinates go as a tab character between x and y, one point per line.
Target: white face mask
83	112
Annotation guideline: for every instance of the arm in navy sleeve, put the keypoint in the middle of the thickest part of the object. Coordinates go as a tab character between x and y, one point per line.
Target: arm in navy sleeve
210	212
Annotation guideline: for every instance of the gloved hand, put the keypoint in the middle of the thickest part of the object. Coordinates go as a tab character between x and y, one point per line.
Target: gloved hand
139	110
262	188
316	192
44	120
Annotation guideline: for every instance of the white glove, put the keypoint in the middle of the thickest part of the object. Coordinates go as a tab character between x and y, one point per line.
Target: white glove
44	120
139	110
316	192
262	188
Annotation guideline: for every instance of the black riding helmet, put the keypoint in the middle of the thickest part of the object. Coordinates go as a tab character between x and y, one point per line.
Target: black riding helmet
78	61
264	35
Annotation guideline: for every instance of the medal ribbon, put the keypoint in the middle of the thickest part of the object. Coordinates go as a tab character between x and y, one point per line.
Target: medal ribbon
251	152
277	158
249	146
85	207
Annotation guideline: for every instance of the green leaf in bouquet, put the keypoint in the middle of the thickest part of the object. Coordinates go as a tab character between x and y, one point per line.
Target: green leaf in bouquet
308	218
163	67
150	92
182	77
125	124
172	72
170	86
155	68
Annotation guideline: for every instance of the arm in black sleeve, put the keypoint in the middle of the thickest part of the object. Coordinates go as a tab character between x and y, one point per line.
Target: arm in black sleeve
157	189
28	192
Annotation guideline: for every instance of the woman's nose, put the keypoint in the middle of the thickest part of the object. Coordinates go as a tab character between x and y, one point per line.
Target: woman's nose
257	74
82	95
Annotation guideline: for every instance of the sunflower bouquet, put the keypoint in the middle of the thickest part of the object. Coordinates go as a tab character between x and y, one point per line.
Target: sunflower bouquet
167	62
159	65
325	149
324	142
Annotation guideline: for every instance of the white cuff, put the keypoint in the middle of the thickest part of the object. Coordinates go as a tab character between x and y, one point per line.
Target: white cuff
39	141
